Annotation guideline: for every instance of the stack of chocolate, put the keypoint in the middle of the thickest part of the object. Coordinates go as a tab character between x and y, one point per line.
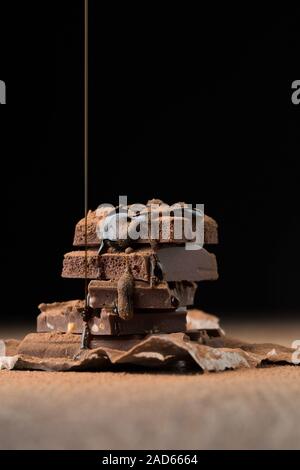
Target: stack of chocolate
136	287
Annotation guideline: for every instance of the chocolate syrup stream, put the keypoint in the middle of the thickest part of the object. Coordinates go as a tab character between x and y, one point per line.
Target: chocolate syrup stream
86	312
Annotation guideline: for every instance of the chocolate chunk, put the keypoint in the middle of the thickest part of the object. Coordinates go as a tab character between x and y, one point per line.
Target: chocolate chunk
142	323
74	264
50	345
109	266
179	264
95	221
65	317
161	296
199	320
8	348
113	265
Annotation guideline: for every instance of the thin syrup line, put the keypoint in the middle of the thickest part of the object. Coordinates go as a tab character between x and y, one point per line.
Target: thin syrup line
86	136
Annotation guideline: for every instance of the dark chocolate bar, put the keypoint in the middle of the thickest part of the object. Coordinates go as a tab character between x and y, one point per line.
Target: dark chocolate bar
179	264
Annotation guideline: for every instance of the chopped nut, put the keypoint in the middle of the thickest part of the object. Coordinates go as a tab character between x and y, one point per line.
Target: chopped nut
70	327
95	329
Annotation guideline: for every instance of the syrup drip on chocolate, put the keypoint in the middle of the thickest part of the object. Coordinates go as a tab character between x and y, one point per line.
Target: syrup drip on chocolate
125	295
156	271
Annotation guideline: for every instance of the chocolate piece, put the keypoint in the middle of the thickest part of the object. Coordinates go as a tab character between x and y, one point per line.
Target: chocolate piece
74	264
50	345
57	345
179	264
108	265
9	347
65	317
199	320
119	343
142	323
161	296
94	219
113	265
55	351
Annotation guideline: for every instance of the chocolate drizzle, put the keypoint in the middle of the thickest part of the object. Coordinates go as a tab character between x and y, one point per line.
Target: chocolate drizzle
125	289
87	314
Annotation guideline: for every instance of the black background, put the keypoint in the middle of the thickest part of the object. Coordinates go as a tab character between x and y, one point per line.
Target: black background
186	103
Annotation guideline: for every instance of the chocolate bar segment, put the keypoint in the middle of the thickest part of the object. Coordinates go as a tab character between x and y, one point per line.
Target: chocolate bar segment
142	323
65	317
179	264
95	219
113	265
55	351
50	346
160	296
108	266
75	264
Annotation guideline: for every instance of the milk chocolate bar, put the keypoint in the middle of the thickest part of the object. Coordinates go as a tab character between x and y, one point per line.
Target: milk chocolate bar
77	264
56	349
65	317
108	266
142	323
95	221
160	296
177	263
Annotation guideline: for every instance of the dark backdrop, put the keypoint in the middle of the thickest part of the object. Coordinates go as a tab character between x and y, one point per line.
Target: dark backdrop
185	104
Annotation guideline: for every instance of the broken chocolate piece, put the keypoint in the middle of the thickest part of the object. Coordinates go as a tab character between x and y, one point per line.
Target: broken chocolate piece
199	320
109	265
143	323
179	264
65	317
61	316
113	265
95	219
74	265
161	296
